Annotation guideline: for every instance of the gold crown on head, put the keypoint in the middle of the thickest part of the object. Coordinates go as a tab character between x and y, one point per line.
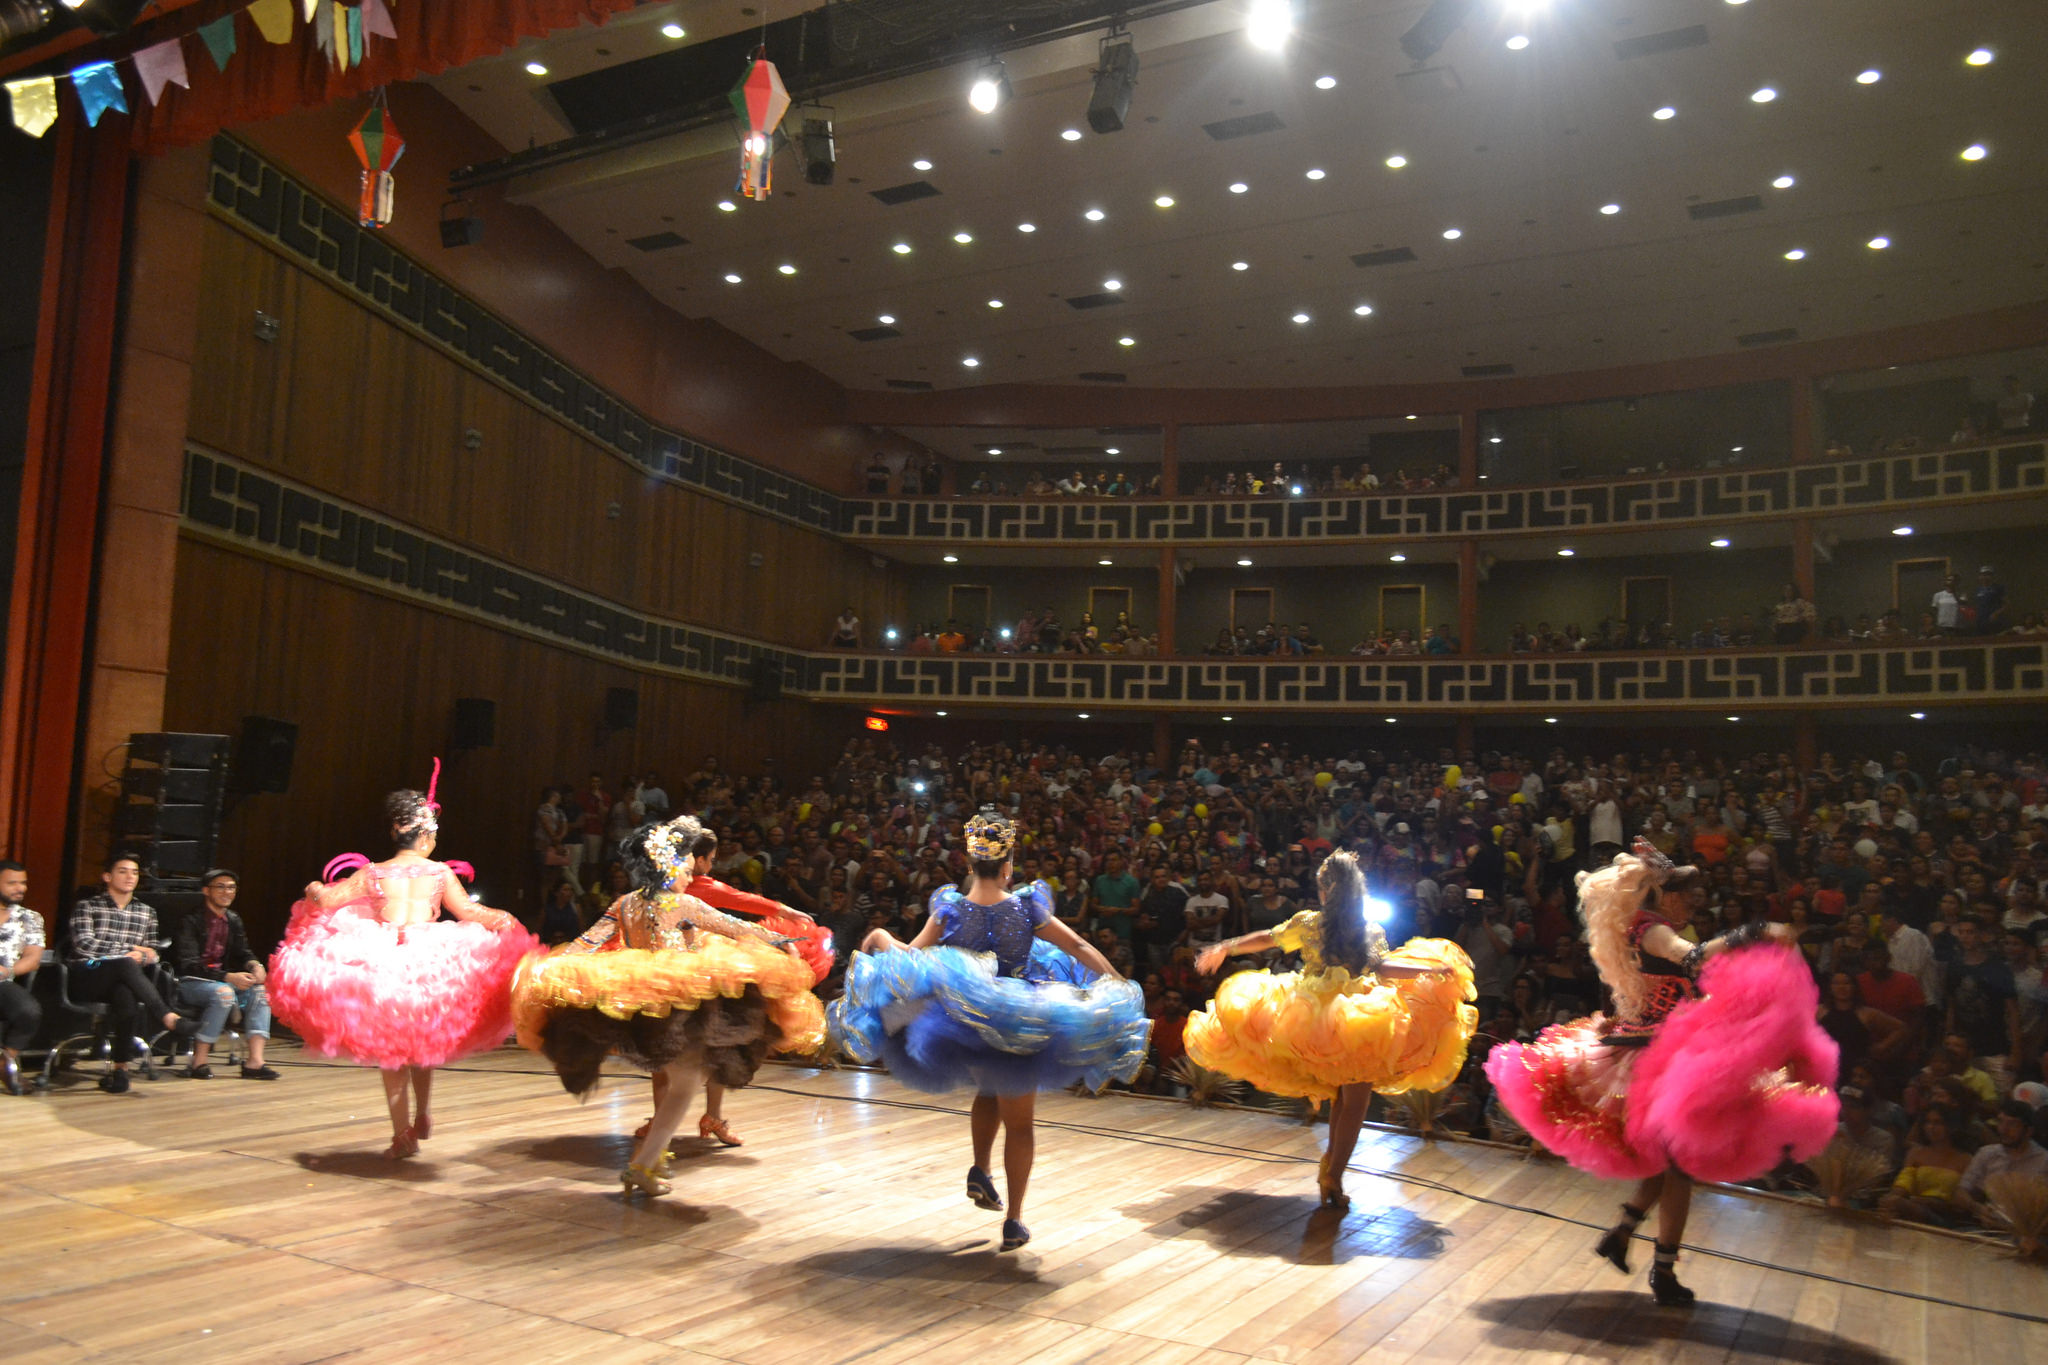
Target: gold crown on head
989	838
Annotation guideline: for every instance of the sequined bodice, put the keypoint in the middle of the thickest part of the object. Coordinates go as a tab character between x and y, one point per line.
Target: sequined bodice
1004	928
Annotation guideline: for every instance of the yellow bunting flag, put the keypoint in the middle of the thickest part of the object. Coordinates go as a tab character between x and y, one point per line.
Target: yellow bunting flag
273	20
35	104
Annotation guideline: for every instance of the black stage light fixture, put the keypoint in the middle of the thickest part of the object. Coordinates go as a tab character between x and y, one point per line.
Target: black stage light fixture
462	227
1116	76
1434	28
821	157
106	16
19	18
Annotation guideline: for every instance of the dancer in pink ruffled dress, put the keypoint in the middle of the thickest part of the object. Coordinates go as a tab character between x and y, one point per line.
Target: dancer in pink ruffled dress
369	971
1719	1081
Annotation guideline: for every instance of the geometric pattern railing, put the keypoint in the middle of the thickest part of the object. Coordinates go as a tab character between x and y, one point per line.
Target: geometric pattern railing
1922	479
256	512
266	202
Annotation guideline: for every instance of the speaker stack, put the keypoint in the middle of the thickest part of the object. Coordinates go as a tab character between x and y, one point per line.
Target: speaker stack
169	811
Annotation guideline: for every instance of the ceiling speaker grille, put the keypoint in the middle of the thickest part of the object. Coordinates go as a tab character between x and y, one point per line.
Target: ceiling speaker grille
904	194
1092	300
874	333
1393	255
1103	376
1248	125
657	241
914	385
1771	338
1671	40
1724	208
1486	371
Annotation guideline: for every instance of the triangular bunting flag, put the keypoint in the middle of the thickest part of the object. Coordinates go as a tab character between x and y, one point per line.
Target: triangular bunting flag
323	29
35	104
219	37
377	19
99	89
273	20
309	8
355	36
161	65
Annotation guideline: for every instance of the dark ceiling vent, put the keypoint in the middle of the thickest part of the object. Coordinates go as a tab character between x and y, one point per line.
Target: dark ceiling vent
1486	371
914	385
1247	125
1428	83
1671	40
1078	452
992	446
658	241
1102	376
874	333
1724	208
1782	334
1393	255
904	194
1092	300
1127	431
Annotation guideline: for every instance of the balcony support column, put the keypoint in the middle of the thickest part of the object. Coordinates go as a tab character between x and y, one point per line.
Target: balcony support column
1805	742
1162	741
1169	459
1168	601
1468	448
1468	597
1802	567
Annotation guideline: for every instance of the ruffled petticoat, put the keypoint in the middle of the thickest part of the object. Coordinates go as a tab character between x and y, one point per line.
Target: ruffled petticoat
940	1018
1290	1033
1733	1082
388	995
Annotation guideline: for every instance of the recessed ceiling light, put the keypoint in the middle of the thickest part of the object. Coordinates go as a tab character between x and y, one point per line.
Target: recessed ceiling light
1326	82
1974	152
1763	95
1493	440
951	559
731	278
1878	243
1240	265
1719	542
1409	418
1783	182
1238	187
995	450
1550	720
1396	162
938	713
1916	715
1082	714
1363	310
1397	558
995	303
887	319
1453	234
1112	284
1797	253
1610	209
901	248
1027	227
1164	201
1126	341
786	268
1566	553
1315	172
1738	2
1902	530
726	206
1114	450
1093	215
1103	562
1518	42
1301	317
1244	563
1870	77
1736	449
970	362
1983	56
1666	112
1735	718
536	69
1226	718
672	31
1390	720
1070	134
920	165
963	238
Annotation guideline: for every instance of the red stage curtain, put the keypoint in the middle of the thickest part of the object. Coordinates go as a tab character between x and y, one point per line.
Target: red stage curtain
264	81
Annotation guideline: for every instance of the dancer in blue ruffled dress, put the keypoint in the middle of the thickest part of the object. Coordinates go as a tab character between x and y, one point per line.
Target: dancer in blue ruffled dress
981	998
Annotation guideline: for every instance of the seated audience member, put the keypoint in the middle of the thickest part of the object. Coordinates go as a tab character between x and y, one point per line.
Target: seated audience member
2014	1151
1857	1127
21	952
217	973
112	944
560	917
1924	1191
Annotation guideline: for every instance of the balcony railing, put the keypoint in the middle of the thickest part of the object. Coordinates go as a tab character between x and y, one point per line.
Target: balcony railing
1871	483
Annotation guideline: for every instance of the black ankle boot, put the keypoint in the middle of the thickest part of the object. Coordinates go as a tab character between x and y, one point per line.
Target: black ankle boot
1664	1281
1614	1246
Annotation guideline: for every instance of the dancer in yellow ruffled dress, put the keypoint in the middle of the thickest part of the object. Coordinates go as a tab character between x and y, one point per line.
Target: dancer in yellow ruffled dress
1354	1019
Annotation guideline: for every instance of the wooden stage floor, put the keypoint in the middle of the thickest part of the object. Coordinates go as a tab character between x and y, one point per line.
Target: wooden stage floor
218	1222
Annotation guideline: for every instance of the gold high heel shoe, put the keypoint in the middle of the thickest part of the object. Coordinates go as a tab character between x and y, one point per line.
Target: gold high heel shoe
645	1181
1330	1188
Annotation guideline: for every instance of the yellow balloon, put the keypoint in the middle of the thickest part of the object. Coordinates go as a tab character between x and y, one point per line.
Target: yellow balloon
1453	775
1518	800
1202	809
803	811
1155	828
1324	779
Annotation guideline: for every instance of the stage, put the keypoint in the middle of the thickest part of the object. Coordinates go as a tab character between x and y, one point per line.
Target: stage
230	1221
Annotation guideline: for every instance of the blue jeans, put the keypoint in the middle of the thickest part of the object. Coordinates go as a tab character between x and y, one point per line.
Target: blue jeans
216	998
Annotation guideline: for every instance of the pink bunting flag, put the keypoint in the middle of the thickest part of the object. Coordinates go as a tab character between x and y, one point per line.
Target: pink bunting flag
377	20
161	65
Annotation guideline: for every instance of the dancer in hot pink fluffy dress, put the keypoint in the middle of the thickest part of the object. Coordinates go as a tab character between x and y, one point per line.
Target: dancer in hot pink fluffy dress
369	971
1719	1081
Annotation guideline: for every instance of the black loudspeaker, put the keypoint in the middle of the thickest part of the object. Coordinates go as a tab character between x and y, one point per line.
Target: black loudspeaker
474	724
764	679
263	756
168	814
1110	102
820	160
621	708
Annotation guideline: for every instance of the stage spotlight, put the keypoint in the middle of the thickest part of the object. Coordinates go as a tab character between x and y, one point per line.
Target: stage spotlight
1434	28
19	18
821	158
991	88
1116	76
461	227
1269	24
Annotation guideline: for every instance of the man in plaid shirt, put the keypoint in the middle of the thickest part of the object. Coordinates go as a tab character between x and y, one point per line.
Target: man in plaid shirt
112	954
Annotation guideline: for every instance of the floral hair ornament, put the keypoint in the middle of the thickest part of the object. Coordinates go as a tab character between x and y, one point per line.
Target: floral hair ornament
424	814
990	838
670	844
1663	872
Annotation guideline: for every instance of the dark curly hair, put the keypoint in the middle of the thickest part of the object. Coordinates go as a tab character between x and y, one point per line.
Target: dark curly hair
634	856
1341	882
410	816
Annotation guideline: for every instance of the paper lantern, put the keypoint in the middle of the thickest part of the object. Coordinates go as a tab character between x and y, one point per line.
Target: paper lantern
378	146
760	100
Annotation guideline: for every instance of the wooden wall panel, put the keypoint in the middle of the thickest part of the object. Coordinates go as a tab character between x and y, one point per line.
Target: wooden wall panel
355	406
371	683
